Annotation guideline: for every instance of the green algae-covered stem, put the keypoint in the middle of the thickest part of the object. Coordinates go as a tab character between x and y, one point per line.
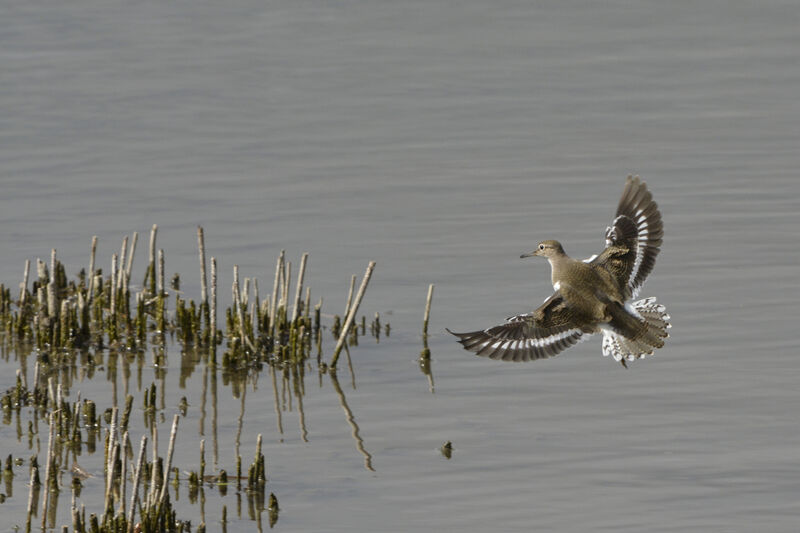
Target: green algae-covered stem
136	479
427	310
351	315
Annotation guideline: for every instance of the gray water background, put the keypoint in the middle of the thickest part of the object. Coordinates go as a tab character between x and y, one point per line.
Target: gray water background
442	139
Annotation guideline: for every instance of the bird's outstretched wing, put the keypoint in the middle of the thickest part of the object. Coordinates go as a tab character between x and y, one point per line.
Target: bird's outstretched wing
549	330
634	238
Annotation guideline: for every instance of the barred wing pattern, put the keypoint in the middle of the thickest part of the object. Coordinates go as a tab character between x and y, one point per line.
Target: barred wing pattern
634	238
544	333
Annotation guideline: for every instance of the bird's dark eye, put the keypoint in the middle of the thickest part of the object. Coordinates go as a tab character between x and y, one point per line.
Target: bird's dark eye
541	246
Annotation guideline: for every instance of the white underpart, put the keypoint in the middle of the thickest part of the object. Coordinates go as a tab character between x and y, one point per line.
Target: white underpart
618	346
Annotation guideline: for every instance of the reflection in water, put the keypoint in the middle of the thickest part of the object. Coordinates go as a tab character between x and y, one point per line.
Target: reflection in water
94	432
424	361
352	421
276	401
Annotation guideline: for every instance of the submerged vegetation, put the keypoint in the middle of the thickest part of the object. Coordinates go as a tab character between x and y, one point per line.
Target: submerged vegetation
99	321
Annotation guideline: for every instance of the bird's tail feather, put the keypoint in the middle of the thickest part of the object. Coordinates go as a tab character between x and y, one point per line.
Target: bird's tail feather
653	323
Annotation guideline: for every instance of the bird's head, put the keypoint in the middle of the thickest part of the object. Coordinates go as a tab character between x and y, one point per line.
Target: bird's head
546	249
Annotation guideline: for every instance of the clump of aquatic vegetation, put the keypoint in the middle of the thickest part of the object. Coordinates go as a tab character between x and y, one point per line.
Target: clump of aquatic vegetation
70	324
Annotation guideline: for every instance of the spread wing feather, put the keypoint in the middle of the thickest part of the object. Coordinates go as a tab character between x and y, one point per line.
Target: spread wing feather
546	332
634	238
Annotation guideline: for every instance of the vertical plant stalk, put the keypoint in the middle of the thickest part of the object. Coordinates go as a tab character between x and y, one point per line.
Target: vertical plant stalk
213	320
237	302
129	266
136	479
298	293
352	314
350	296
123	254
23	289
427	311
274	302
48	468
123	477
114	291
201	253
90	292
170	450
153	235
108	505
162	304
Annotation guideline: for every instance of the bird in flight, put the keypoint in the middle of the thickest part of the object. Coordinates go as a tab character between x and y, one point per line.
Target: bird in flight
591	296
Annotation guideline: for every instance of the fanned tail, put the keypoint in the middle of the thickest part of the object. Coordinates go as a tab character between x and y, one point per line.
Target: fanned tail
656	322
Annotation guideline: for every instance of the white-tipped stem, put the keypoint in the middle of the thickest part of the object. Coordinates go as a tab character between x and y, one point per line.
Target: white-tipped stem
41	271
237	302
123	254
246	293
213	301
23	288
352	314
240	309
129	266
350	295
90	274
136	479
53	264
153	234
114	286
201	252
274	302
168	467
287	278
52	310
427	310
298	293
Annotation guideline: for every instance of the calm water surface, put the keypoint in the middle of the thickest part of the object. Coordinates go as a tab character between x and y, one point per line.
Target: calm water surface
441	139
